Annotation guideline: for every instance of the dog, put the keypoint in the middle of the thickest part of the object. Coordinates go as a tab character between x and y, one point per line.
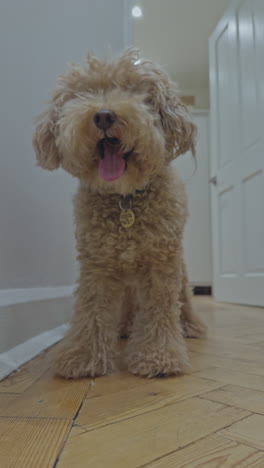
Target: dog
117	126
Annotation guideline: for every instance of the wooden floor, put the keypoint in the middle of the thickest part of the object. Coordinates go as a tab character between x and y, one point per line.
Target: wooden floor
212	418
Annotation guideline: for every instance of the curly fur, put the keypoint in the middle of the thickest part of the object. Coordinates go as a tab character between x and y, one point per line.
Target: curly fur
132	281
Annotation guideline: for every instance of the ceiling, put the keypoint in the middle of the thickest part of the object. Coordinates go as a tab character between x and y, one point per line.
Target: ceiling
175	33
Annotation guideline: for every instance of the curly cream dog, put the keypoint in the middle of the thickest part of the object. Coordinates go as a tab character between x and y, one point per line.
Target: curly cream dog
117	126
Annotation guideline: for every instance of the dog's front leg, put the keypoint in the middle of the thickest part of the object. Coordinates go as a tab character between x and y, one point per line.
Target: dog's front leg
89	348
156	346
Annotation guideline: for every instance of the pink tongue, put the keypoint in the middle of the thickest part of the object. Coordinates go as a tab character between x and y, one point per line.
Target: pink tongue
112	166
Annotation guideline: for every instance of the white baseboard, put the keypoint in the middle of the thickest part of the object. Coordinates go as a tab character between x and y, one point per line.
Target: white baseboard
20	296
29	322
15	357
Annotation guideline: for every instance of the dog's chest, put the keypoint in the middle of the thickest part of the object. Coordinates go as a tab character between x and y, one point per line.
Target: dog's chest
153	236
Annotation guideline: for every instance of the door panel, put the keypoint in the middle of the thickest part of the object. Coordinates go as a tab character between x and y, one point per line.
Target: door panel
253	222
223	71
226	234
248	84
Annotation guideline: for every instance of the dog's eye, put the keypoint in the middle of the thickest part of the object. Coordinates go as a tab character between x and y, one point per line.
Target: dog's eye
148	101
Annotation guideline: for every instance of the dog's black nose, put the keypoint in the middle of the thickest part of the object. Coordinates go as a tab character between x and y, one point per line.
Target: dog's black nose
104	119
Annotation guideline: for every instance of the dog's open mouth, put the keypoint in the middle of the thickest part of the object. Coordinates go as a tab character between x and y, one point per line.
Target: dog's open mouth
113	162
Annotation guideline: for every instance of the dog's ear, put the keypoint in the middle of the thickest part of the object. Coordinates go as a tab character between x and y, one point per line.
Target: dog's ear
44	142
44	137
180	131
178	126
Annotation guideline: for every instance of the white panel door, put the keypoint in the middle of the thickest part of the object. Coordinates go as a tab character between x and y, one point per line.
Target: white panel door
237	153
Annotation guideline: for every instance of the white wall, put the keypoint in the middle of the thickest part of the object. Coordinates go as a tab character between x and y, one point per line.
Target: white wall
175	33
37	252
37	38
202	100
197	239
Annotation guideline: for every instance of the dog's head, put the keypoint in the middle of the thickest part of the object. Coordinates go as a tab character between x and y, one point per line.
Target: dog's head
114	125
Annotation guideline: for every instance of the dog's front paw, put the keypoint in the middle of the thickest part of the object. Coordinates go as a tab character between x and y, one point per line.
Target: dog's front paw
74	363
158	363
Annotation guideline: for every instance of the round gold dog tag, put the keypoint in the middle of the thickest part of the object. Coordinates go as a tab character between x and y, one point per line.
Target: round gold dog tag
127	218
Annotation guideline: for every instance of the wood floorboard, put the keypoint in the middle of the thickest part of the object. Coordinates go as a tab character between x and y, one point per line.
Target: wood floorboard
212	418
